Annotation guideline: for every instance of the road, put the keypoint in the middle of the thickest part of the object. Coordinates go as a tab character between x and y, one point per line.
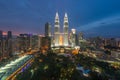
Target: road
13	67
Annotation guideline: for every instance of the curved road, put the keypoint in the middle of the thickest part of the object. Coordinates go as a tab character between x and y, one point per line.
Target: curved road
13	66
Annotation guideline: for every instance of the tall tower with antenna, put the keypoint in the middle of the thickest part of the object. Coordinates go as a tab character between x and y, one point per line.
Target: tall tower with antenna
65	30
56	30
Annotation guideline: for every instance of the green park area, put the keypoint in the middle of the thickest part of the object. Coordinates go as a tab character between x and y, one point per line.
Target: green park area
61	67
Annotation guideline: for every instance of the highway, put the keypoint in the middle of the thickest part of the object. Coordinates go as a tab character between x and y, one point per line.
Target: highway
11	69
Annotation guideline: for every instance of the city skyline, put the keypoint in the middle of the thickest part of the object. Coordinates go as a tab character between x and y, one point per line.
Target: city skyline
60	39
99	17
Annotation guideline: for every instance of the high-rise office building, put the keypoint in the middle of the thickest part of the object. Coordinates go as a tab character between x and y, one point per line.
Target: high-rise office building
34	41
1	44
9	35
24	42
80	36
81	40
9	43
65	30
15	45
45	43
73	38
47	30
56	30
61	38
1	34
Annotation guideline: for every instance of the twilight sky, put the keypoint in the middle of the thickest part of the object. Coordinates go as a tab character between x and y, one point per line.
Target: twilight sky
94	17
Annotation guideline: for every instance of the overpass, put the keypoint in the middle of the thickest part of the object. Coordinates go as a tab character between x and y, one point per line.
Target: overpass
9	71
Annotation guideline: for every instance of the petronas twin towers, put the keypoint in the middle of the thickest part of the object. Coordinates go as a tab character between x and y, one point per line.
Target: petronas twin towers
61	38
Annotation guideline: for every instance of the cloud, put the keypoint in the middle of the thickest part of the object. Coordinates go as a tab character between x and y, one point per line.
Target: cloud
102	22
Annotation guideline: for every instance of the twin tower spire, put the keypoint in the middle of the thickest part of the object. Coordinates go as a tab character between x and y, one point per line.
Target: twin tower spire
61	39
57	17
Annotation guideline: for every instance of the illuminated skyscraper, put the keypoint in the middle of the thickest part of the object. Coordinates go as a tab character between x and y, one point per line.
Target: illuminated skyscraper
61	38
73	38
56	30
65	30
